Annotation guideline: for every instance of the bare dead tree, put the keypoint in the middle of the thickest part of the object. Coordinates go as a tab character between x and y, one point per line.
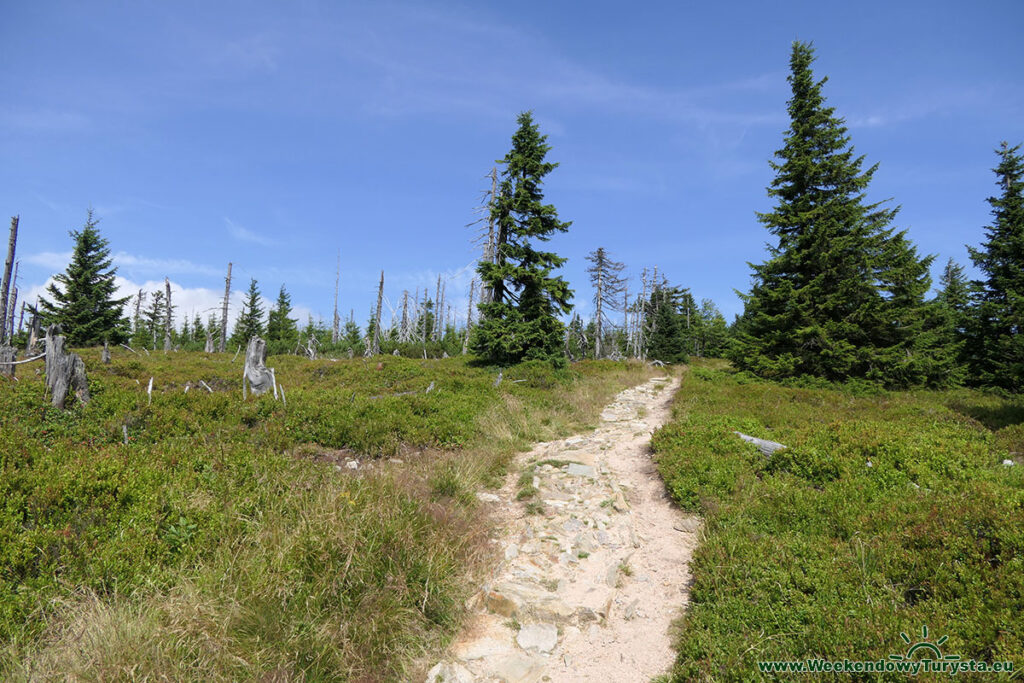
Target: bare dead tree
469	318
403	332
606	277
486	237
105	356
437	308
337	279
224	312
167	318
5	284
375	348
13	304
21	317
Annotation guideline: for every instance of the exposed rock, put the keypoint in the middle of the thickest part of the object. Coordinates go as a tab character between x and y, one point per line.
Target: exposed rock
538	637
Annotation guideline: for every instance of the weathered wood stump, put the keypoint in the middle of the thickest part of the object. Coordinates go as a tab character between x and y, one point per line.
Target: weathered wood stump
208	348
64	371
106	353
256	373
8	354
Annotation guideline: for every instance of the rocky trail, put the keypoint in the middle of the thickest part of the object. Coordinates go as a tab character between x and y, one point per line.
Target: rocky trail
596	562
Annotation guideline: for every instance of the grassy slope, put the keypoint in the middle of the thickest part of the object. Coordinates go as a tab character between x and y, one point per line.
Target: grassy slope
814	553
222	543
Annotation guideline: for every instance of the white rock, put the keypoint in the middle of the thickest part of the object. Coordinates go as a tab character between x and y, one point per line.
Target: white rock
487	497
444	672
539	637
1009	463
352	464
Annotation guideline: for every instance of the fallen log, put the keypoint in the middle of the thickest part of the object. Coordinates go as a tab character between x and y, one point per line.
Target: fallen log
766	447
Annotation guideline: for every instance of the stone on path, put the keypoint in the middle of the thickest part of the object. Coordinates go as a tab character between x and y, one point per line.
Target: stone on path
539	637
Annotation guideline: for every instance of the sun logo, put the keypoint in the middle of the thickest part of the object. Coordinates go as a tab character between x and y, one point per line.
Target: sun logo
931	651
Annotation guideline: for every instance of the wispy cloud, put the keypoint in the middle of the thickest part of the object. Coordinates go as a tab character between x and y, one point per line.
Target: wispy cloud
243	234
57	261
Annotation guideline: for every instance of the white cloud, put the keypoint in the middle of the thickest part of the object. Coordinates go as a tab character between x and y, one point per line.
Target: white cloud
245	235
57	261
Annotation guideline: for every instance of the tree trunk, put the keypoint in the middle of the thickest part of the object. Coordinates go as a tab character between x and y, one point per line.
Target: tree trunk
106	353
375	348
337	279
5	285
469	318
34	329
167	319
64	371
260	379
8	354
224	312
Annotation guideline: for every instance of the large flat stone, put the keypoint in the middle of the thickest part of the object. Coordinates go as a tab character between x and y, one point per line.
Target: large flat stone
539	637
579	470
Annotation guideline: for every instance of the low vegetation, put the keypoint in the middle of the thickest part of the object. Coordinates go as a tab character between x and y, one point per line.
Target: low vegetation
888	512
202	537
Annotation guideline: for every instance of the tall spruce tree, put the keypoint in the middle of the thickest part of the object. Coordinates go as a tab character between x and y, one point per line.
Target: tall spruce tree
282	330
82	298
840	292
998	338
664	334
519	321
250	322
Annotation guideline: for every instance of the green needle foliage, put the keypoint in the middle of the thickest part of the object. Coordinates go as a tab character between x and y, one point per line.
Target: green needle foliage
842	294
520	323
82	298
999	337
250	322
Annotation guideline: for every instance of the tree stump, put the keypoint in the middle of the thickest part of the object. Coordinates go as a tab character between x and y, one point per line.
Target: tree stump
8	354
64	371
260	379
106	353
208	348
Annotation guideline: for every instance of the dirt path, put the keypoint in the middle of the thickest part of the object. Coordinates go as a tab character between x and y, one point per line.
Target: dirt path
590	585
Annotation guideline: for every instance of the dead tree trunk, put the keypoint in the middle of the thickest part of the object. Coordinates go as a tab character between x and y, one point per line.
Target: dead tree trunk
8	354
106	353
64	371
256	373
337	321
375	348
224	313
167	318
33	333
21	317
437	308
469	318
208	348
5	285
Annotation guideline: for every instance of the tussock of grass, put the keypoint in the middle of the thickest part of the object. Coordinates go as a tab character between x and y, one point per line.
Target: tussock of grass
223	544
814	553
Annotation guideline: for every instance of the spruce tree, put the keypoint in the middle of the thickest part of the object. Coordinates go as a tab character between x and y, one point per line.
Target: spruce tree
250	322
664	334
153	318
519	321
282	331
999	334
840	292
82	299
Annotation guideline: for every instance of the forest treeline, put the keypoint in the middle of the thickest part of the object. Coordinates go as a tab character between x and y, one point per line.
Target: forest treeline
843	294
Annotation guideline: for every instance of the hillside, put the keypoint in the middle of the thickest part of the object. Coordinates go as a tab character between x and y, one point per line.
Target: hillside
201	536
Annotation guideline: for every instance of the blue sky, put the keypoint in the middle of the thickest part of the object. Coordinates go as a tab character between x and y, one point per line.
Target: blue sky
274	134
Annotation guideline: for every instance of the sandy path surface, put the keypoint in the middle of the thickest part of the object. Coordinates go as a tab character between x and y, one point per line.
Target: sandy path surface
596	563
